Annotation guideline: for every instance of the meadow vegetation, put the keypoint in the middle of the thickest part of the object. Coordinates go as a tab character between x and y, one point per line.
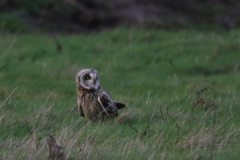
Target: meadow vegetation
181	89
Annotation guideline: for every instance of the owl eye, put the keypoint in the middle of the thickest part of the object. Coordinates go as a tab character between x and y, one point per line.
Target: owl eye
87	77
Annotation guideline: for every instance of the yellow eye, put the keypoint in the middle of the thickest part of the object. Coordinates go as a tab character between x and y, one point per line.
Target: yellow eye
87	77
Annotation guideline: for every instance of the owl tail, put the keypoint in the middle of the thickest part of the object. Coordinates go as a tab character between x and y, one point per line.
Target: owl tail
120	105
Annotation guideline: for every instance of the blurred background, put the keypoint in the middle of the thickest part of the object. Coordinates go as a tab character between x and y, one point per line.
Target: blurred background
72	16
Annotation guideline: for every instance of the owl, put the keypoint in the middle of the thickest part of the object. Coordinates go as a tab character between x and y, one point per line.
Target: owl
93	102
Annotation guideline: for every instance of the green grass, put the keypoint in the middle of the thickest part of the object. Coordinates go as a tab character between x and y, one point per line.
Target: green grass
11	22
144	69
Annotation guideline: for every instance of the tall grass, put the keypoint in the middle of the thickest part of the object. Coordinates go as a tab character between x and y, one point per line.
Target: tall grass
163	77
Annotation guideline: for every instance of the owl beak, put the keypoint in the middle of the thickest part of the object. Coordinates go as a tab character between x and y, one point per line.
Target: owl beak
96	84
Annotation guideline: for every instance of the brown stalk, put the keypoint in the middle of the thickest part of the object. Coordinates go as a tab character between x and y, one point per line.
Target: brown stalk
132	127
145	131
30	132
55	150
178	129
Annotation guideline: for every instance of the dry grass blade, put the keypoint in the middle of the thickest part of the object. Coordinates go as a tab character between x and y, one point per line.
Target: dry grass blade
8	97
178	129
161	113
123	117
214	132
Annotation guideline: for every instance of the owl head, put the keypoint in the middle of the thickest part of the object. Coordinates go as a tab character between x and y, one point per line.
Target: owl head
88	78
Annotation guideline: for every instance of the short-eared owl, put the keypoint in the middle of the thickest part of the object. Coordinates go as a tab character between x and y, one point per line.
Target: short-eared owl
93	101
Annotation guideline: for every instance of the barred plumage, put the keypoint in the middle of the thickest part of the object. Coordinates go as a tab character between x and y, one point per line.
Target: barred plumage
93	102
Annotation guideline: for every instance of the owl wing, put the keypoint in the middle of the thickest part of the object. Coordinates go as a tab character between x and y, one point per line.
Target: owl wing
108	105
119	105
80	108
81	111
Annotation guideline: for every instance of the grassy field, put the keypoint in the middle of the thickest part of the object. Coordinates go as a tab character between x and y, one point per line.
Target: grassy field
181	89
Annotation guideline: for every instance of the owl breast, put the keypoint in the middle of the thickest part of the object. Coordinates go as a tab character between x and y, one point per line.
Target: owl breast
90	105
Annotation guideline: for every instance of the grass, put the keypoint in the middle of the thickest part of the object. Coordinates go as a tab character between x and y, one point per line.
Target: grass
163	77
12	23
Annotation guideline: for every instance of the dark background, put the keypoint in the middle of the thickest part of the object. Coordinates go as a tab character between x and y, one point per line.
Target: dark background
93	15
